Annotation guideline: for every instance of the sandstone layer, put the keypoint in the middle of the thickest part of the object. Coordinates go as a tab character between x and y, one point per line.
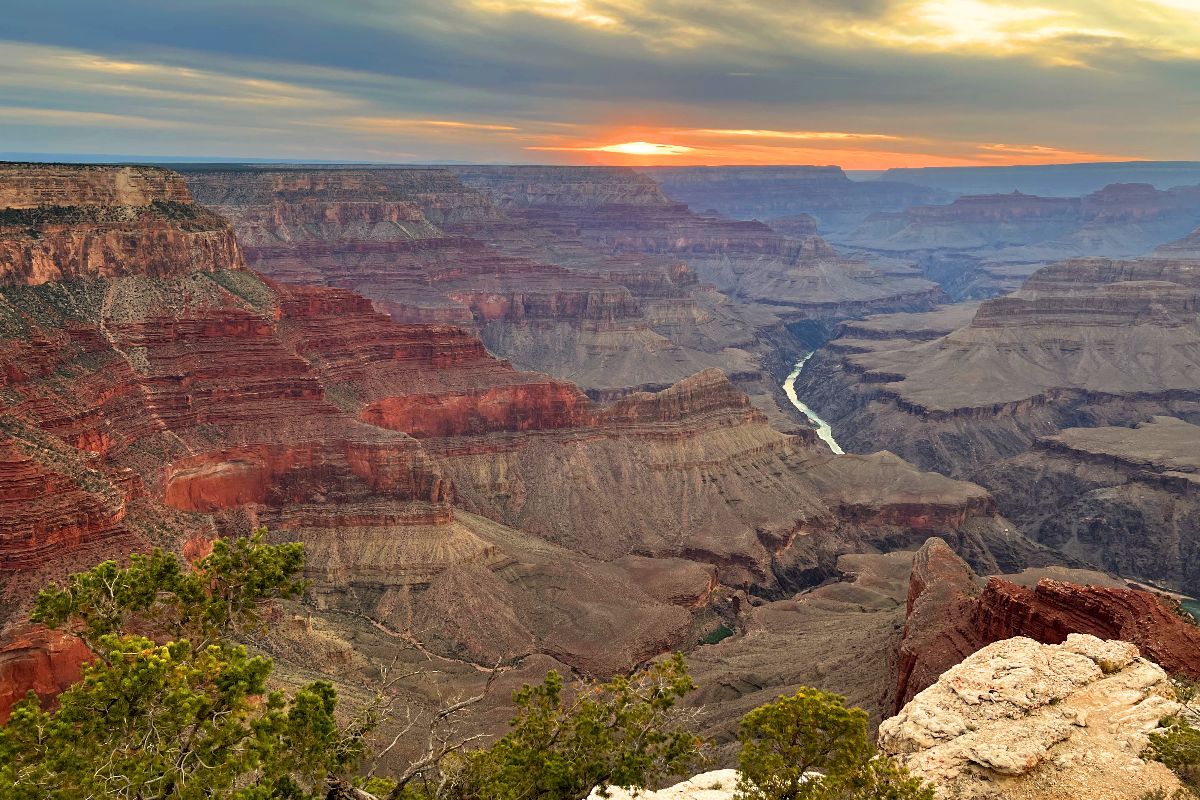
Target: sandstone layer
1033	721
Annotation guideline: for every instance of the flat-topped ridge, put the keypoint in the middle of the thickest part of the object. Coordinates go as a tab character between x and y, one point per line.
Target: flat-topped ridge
33	185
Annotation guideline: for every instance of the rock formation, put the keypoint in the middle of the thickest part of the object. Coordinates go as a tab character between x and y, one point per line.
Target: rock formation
984	245
1087	343
1122	497
68	223
952	613
448	501
426	248
620	211
1072	346
41	661
1187	248
1019	719
718	784
1059	180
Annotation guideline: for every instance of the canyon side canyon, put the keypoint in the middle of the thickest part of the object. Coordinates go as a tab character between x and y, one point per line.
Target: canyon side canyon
535	416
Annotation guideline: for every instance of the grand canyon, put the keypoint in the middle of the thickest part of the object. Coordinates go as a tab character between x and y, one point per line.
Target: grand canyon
531	400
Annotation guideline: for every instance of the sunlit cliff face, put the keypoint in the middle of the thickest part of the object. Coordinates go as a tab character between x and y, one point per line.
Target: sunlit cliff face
866	84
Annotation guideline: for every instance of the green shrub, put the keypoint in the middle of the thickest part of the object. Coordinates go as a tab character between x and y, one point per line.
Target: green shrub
809	745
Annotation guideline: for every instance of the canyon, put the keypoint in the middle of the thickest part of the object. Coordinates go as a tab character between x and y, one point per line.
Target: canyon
1051	397
984	245
783	196
451	504
536	417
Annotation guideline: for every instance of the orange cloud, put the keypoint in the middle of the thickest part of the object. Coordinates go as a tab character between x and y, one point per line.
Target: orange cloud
816	136
865	151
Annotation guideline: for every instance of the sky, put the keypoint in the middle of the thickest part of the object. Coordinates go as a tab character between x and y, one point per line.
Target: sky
865	84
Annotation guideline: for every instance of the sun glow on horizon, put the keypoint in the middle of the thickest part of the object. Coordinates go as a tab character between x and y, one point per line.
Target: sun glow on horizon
628	149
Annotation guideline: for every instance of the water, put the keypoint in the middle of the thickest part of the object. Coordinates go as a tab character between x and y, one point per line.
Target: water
1192	606
823	430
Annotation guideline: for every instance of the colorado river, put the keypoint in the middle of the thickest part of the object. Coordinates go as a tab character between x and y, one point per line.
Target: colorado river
823	429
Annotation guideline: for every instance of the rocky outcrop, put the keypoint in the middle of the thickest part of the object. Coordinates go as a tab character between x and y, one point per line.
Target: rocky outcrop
952	613
938	631
41	661
718	784
1019	719
62	223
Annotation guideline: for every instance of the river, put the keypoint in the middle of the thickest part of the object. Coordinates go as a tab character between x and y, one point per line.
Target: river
823	429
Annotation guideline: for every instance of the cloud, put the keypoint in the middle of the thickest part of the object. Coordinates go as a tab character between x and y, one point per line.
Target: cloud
838	136
394	123
490	79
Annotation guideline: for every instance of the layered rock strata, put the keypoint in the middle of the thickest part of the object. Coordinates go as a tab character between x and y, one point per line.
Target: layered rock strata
448	501
1089	341
68	223
1122	497
980	246
769	193
426	248
40	661
620	211
951	613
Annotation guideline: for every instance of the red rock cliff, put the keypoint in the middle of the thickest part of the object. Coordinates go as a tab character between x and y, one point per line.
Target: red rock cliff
950	617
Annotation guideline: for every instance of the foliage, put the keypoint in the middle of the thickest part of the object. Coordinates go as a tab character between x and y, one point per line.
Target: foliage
1177	745
186	714
625	732
810	745
1161	794
219	596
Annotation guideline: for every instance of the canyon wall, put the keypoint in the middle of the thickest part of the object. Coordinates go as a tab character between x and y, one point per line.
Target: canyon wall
1101	344
826	194
448	501
64	223
801	275
985	245
951	613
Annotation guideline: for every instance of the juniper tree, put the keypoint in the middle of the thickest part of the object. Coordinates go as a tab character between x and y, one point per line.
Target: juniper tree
172	706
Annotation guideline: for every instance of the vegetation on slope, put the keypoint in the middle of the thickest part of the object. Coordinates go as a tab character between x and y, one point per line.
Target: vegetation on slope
173	706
